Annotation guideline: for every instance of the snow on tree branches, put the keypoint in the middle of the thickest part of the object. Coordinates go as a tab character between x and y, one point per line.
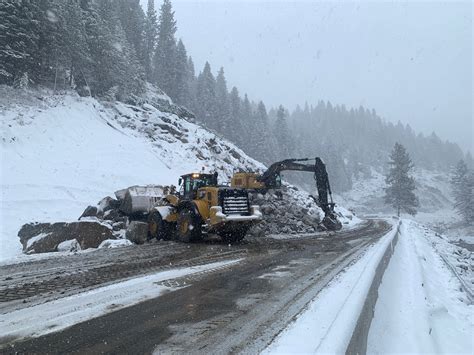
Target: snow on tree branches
462	183
399	192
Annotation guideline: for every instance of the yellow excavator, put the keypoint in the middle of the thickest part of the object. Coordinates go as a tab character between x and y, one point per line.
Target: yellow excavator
271	179
202	206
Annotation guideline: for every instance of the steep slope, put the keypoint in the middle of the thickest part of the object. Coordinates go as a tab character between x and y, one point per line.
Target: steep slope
60	153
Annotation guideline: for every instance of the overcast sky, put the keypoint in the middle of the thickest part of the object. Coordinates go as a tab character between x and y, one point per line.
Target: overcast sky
409	61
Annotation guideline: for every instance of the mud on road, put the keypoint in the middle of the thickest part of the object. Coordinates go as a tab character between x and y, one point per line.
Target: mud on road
239	309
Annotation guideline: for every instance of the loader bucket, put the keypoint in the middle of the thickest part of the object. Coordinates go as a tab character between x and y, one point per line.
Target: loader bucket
139	199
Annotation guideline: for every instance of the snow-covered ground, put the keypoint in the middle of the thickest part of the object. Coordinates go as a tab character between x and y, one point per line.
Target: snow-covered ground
327	323
420	307
432	188
59	314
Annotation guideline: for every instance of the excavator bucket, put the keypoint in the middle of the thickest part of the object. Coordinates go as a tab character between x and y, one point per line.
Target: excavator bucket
330	222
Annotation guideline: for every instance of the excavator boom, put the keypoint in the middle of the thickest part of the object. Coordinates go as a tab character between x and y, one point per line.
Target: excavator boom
271	179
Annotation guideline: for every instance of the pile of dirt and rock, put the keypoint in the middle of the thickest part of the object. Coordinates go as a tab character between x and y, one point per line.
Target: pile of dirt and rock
286	211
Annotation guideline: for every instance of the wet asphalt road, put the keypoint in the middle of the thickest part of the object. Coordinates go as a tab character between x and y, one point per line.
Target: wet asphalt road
236	309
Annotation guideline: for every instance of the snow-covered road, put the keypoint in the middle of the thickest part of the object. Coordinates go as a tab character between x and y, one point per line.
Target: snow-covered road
420	307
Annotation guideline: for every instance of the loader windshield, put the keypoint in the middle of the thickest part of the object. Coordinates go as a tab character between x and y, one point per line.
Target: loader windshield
192	182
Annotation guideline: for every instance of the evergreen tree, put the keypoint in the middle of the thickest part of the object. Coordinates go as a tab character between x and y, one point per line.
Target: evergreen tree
151	28
75	50
262	143
50	56
223	123
235	112
181	75
165	54
192	86
462	183
469	214
243	127
116	71
132	19
282	134
18	40
206	97
399	192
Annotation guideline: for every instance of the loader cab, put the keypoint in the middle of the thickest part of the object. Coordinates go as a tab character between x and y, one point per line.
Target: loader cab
190	183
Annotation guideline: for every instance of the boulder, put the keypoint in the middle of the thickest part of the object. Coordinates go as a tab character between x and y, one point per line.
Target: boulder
69	246
90	211
46	237
118	226
115	243
137	232
112	215
31	230
108	203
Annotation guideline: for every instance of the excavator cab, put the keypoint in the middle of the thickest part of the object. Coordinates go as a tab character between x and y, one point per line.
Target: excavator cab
252	181
274	182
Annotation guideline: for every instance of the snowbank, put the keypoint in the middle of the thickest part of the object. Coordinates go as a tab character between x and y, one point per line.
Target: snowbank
327	324
420	307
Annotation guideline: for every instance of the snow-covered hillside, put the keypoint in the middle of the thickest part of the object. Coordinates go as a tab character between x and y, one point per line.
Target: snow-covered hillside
62	152
432	189
436	206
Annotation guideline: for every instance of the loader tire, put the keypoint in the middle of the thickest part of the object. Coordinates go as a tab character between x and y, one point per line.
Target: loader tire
189	226
157	227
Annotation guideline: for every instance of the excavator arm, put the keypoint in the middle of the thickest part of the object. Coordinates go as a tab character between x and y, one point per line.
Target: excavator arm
271	179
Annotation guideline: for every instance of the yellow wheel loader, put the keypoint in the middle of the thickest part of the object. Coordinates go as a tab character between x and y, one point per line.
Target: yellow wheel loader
200	207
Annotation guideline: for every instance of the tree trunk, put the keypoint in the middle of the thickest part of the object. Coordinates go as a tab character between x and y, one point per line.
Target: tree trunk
71	74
